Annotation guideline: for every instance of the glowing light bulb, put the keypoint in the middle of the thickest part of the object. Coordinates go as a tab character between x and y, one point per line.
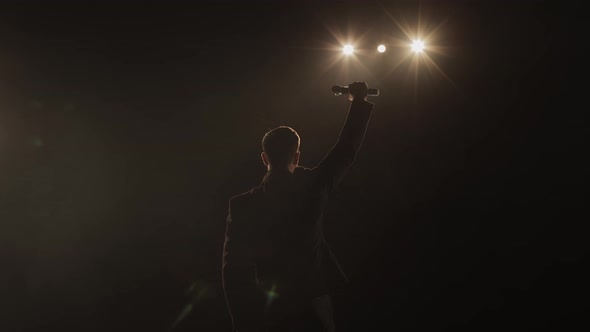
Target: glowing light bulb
417	46
348	49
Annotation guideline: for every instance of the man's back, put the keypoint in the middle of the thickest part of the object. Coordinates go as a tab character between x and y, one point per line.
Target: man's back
283	230
275	257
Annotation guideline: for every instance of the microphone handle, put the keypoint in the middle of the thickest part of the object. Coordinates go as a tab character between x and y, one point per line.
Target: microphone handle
340	90
372	92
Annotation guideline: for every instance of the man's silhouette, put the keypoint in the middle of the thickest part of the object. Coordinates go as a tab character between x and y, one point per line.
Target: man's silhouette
277	266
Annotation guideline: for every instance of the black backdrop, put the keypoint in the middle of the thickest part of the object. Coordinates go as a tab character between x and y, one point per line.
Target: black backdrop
126	126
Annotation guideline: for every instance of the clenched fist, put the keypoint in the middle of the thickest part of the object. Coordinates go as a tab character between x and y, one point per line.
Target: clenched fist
357	91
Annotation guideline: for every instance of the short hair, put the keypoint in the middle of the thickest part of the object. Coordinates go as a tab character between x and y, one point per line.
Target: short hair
280	145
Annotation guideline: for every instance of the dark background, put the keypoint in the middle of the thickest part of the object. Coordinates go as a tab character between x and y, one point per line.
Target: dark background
125	127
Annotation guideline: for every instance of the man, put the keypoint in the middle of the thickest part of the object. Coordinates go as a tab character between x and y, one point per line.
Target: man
276	262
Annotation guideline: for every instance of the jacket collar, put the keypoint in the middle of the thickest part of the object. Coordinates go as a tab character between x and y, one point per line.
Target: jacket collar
276	174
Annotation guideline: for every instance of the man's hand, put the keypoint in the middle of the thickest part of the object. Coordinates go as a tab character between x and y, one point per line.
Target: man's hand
357	91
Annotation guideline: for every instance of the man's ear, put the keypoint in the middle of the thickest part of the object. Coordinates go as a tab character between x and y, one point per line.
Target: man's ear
264	159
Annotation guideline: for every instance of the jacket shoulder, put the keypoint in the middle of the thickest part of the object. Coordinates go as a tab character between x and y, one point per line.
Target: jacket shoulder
302	172
244	198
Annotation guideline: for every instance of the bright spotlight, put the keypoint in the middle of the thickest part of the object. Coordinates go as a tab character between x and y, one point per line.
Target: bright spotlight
381	48
348	49
417	46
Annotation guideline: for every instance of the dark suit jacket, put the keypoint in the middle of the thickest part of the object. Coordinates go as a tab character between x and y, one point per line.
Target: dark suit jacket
274	244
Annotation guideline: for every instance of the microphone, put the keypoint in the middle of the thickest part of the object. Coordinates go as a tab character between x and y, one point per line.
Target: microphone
340	90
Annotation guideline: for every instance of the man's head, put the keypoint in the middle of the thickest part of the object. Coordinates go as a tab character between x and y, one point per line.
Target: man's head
280	148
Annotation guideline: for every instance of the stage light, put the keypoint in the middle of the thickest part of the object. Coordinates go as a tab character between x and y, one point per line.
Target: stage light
417	46
381	48
348	49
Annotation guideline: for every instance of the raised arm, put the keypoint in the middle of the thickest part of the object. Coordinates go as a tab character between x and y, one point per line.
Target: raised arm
331	169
